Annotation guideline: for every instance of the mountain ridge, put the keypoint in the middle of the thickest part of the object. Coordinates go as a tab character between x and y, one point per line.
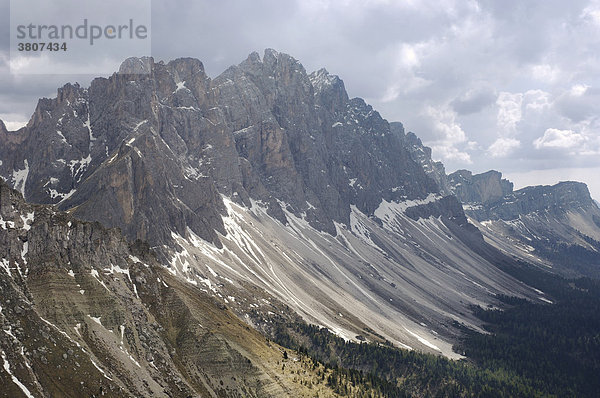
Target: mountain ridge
267	177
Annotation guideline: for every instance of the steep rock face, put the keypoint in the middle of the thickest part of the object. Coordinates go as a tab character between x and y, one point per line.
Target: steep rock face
78	151
422	155
488	187
556	226
84	314
264	130
308	145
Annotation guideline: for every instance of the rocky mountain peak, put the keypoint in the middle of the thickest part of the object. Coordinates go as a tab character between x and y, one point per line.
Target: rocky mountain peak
271	56
3	129
253	58
486	187
329	90
135	65
69	93
187	67
568	194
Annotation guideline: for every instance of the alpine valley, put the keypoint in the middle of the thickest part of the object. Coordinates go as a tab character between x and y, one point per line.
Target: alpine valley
261	234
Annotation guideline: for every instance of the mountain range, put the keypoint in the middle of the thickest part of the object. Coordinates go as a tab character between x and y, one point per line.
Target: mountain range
213	210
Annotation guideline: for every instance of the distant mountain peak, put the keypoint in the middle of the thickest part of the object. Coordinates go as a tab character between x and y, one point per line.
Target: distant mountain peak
135	65
536	223
479	188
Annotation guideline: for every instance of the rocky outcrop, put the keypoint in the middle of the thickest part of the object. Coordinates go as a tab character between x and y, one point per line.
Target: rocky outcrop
488	196
488	187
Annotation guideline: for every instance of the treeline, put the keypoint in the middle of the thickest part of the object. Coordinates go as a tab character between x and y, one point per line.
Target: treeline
555	347
386	371
584	260
533	350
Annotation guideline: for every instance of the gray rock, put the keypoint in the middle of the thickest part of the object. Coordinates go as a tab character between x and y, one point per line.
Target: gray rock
264	129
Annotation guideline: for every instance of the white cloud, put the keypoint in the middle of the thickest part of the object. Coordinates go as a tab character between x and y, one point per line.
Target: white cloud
509	111
545	73
473	146
554	138
592	13
407	60
451	153
579	89
536	100
503	147
449	134
13	121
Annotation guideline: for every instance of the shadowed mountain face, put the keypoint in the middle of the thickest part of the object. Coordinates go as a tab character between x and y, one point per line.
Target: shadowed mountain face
557	226
271	179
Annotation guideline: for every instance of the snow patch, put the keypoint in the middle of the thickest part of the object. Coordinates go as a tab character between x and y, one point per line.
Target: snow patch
14	379
181	86
19	178
28	220
88	125
422	340
100	369
62	137
3	223
63	196
95	274
78	167
387	211
6	266
24	252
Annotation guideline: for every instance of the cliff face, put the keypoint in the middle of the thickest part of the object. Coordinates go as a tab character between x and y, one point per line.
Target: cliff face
488	187
83	313
264	130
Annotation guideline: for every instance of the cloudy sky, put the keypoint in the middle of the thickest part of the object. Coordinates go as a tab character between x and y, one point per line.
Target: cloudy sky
506	85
